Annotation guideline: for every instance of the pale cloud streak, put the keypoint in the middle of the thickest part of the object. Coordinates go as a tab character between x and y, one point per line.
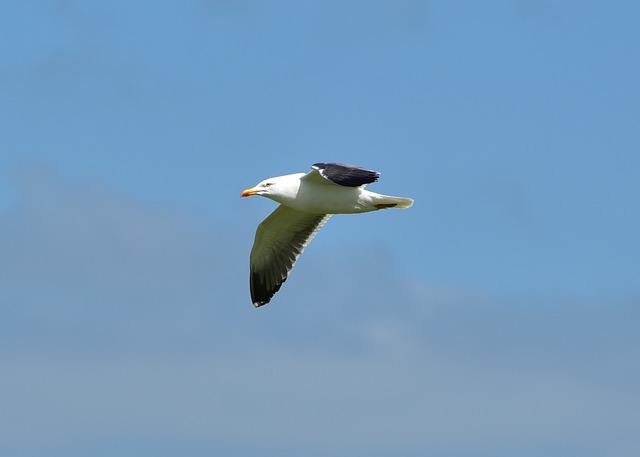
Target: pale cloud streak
129	323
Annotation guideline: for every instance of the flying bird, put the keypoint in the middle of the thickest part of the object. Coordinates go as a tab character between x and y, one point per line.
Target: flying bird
307	201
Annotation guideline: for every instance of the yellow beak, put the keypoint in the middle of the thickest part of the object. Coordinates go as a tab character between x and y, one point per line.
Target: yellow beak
249	192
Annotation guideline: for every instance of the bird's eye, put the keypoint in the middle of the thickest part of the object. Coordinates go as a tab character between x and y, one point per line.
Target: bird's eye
267	184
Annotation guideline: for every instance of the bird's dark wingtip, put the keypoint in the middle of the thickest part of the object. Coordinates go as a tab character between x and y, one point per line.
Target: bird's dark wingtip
261	295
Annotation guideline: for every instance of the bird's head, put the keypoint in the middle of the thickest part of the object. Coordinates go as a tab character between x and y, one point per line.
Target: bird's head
269	188
263	188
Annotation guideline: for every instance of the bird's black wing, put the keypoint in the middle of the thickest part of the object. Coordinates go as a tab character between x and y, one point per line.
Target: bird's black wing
346	175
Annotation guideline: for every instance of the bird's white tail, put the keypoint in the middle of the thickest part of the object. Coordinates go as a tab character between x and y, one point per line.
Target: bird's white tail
387	201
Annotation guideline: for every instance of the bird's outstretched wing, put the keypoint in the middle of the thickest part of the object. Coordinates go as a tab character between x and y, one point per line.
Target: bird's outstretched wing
279	241
343	174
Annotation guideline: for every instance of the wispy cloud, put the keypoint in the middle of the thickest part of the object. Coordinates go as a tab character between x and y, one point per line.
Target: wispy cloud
123	318
81	255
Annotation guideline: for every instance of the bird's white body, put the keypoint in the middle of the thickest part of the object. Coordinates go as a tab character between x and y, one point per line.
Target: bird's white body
314	194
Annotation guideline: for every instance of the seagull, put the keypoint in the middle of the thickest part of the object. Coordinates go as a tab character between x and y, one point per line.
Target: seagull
307	201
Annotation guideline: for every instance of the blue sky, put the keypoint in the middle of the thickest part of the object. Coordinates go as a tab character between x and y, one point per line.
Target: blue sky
496	317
